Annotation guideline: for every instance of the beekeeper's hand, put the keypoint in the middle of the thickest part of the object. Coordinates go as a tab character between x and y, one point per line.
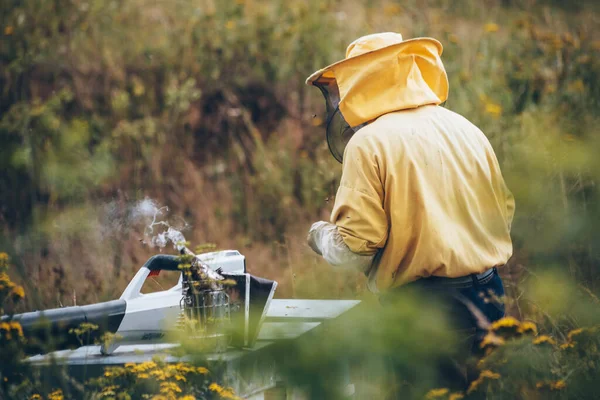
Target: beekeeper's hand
325	240
315	235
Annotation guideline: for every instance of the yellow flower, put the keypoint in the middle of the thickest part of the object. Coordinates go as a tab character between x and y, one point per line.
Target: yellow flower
528	327
493	109
506	322
180	378
574	333
187	397
436	393
491	340
489	374
35	397
544	339
169	387
491	27
56	395
18	292
456	396
15	326
485	374
202	370
230	24
558	385
552	385
158	374
143	375
215	387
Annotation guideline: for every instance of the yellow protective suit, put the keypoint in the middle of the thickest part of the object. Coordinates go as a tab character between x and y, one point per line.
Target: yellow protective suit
421	187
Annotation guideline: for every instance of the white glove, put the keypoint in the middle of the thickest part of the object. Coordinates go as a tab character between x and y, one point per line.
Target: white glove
325	239
315	234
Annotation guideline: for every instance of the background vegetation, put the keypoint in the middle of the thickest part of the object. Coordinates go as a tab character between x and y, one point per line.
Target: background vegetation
202	106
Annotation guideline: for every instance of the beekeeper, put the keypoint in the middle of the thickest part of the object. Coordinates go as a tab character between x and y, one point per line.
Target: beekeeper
421	198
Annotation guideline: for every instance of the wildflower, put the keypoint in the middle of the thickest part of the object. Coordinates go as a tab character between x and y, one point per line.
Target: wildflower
215	387
493	109
180	378
436	393
109	391
456	396
230	24
16	326
558	385
169	387
527	327
202	370
491	27
159	374
574	333
485	374
56	395
143	375
35	397
544	339
491	340
187	397
509	323
552	385
18	292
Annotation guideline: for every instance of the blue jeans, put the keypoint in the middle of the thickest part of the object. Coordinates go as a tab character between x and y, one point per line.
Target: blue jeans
455	302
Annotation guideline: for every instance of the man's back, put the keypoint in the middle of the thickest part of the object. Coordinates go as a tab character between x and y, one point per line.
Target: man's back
422	188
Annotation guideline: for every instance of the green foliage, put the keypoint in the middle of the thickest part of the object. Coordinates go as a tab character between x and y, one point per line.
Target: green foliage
203	106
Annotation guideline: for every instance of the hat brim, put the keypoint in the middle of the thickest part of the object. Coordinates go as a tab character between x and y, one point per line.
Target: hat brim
327	73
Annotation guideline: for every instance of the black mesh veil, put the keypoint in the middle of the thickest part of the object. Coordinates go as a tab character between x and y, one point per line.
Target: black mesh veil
338	130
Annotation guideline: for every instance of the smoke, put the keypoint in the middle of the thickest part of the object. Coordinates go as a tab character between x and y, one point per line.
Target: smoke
146	216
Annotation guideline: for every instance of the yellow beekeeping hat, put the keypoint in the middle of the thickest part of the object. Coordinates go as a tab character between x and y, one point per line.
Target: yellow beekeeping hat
383	73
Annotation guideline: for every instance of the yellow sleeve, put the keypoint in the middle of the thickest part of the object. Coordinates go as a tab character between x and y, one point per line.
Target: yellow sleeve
358	211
